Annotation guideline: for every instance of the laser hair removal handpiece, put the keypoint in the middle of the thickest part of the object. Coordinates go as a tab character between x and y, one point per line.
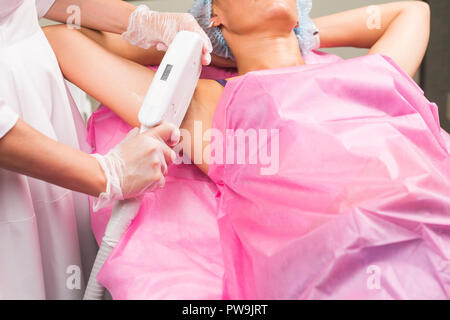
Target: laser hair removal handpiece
167	100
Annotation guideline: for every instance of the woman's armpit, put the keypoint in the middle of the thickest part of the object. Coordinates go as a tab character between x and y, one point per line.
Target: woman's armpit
198	121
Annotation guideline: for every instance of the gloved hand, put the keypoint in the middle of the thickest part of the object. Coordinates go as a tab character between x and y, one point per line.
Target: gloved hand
148	28
137	164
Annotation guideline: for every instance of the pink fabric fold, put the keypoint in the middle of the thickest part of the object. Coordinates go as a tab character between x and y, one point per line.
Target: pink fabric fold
357	208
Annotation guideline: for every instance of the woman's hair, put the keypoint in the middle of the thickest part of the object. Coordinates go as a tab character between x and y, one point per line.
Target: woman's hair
306	32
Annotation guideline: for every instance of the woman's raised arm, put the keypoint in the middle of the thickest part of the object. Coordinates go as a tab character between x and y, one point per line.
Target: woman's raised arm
122	84
399	30
119	83
114	43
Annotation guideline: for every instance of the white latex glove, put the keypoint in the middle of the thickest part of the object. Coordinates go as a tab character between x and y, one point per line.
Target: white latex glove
148	28
137	164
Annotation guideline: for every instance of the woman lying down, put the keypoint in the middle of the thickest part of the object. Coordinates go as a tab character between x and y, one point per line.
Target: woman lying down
324	180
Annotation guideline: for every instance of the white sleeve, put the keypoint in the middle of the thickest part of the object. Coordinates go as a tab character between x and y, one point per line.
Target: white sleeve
43	6
8	118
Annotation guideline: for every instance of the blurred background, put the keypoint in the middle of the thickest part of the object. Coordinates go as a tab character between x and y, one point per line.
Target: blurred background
433	77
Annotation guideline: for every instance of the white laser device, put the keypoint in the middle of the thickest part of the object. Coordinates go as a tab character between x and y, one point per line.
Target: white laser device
174	83
167	100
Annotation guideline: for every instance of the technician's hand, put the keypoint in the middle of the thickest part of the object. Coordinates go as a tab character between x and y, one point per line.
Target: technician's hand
137	164
148	28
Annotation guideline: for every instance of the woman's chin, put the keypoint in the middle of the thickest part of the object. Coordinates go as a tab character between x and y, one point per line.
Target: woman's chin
281	11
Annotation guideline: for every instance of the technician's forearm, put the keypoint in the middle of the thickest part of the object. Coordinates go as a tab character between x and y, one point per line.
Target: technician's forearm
104	15
27	151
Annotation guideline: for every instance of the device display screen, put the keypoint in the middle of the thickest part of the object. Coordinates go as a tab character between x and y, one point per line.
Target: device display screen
166	72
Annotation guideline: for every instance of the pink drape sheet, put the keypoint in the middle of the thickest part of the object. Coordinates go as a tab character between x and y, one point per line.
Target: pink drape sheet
358	208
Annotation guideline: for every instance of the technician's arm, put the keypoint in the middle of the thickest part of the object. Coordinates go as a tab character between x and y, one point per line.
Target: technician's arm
139	26
25	150
137	164
105	15
402	33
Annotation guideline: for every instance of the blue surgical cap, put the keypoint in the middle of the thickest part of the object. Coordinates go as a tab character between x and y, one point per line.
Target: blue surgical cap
306	32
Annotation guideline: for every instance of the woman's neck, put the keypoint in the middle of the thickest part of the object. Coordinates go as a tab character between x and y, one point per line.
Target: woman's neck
265	52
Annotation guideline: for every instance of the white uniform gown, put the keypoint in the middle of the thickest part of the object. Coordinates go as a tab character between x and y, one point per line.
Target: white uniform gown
46	245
